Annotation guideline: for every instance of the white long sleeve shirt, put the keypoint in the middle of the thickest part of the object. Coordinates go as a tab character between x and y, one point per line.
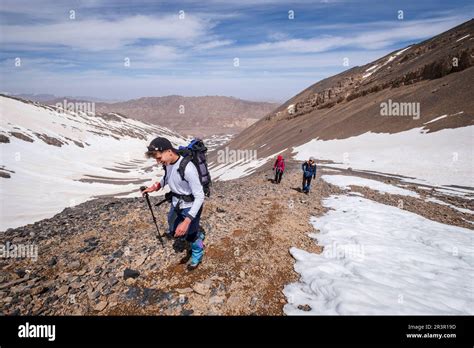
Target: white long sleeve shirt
192	185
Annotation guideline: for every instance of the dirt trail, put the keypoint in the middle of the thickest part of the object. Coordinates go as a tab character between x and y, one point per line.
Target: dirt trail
247	263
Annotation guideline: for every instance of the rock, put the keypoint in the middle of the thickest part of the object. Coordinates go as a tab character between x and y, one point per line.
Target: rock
77	285
63	290
87	249
100	286
40	290
4	139
130	273
101	306
253	301
266	202
78	311
201	288
112	281
217	299
305	308
184	291
20	273
18	289
117	254
215	277
93	295
186	312
75	265
139	261
53	261
81	272
242	274
233	300
130	281
234	286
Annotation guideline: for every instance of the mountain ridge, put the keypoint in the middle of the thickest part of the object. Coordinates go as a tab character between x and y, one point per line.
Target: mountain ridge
348	104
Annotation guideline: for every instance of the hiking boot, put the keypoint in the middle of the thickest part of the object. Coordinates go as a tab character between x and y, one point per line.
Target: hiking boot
186	258
192	266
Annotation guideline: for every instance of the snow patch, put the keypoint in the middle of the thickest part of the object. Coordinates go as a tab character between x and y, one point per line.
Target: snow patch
376	67
436	119
344	181
381	260
372	68
240	168
438	158
400	52
462	38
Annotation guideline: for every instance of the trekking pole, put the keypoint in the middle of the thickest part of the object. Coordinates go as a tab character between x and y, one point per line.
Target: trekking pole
153	215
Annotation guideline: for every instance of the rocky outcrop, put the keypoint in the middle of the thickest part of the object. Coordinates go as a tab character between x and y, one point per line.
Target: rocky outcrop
432	59
4	139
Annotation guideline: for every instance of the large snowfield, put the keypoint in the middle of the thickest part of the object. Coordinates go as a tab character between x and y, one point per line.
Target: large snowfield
379	259
45	178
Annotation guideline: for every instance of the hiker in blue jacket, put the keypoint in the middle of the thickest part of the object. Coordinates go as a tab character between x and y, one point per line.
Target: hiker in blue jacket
309	172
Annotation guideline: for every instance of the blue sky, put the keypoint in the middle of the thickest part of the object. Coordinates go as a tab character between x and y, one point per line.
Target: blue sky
197	55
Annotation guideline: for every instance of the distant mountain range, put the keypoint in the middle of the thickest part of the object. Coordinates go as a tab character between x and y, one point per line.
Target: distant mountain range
195	116
42	98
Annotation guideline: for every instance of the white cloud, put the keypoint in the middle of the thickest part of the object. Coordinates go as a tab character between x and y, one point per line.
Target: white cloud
102	34
382	34
213	44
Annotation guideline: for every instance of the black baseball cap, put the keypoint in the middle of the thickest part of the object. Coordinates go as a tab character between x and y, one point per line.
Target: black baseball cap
160	144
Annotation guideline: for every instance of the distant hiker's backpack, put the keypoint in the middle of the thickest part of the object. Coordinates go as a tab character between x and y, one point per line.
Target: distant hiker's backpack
196	152
308	170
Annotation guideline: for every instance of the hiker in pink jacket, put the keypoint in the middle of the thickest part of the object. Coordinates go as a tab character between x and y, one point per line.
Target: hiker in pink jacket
279	168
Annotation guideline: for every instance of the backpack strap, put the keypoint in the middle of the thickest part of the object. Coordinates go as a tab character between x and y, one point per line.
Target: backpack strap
165	177
182	167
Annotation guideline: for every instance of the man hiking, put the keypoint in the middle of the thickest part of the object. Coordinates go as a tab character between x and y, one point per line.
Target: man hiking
187	198
309	172
279	168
